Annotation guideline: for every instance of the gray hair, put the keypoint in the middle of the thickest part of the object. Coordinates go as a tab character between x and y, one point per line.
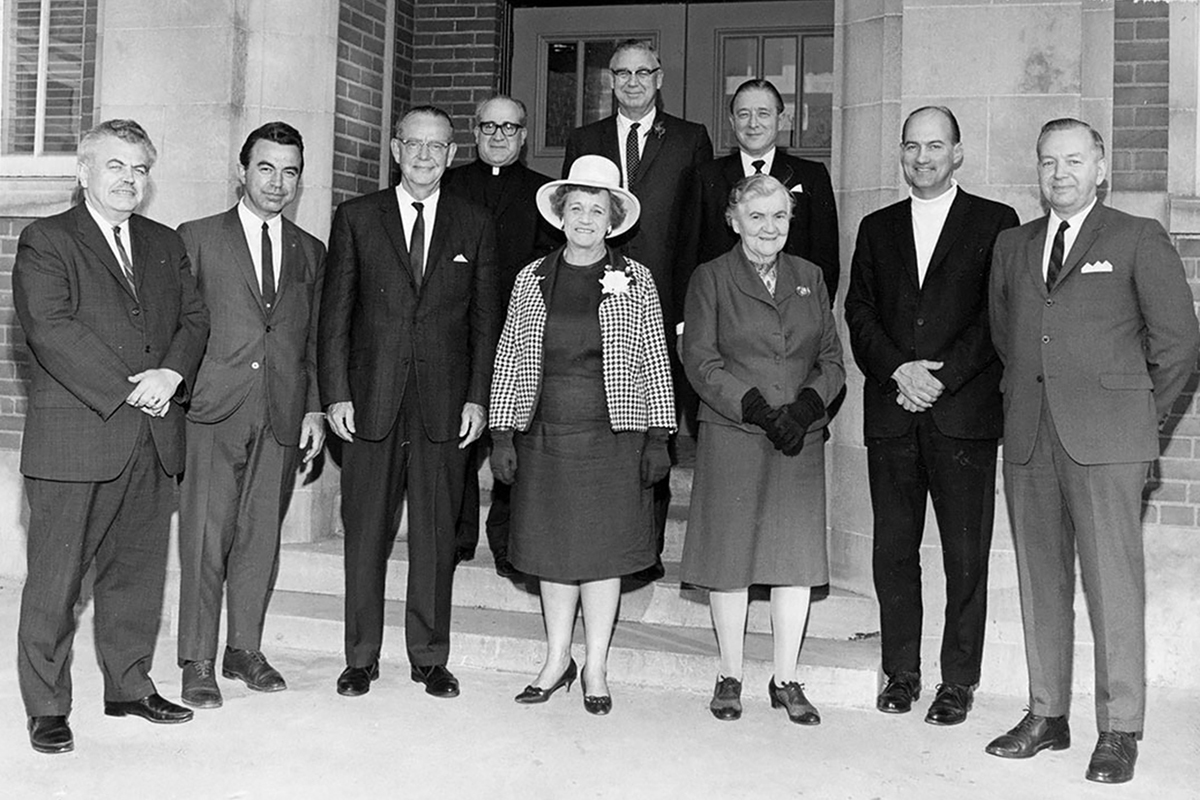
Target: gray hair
126	130
757	186
1067	124
499	96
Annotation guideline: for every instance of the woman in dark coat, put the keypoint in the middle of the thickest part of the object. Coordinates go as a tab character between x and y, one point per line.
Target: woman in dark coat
581	408
760	346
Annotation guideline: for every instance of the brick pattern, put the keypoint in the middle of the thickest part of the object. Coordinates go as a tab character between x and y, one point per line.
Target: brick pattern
359	121
1140	96
14	355
1173	492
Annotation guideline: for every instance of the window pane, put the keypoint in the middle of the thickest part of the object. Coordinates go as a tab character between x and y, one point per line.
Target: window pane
779	67
739	64
597	80
561	92
816	128
21	24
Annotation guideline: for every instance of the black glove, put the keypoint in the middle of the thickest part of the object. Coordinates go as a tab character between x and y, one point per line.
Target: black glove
755	410
504	456
805	410
656	461
787	434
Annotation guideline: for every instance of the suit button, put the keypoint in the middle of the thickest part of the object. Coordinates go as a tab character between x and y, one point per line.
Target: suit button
147	350
136	311
254	365
1045	340
268	329
920	321
1039	378
1049	302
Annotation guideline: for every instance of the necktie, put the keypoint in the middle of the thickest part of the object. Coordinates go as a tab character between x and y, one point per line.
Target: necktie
416	247
268	269
126	265
632	157
1056	254
758	164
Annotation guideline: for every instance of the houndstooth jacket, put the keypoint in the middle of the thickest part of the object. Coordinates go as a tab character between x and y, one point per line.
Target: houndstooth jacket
637	378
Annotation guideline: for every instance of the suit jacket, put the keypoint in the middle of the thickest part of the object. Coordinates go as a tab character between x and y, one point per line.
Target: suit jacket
511	197
247	343
893	320
737	336
672	151
88	333
1109	347
812	235
637	375
383	339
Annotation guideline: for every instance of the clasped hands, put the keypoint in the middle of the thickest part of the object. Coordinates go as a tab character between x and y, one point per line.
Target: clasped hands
919	389
154	390
787	425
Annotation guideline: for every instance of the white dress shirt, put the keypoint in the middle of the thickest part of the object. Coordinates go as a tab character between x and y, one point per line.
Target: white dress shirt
748	162
106	228
1053	220
252	227
408	216
624	123
928	219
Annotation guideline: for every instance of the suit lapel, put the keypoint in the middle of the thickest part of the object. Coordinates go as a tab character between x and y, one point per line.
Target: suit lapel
440	234
389	213
654	143
781	169
1093	224
903	233
610	148
291	267
1034	249
731	170
239	253
952	228
93	239
745	278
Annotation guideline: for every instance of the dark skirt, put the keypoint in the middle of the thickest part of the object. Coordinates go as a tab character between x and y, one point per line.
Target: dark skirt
756	516
579	512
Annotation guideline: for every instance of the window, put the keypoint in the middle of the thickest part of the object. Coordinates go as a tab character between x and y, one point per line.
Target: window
47	83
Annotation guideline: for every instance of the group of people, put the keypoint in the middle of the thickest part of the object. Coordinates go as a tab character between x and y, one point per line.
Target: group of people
570	324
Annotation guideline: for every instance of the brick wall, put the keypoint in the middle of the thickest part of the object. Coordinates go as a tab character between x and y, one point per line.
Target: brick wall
1140	96
1173	493
13	353
359	122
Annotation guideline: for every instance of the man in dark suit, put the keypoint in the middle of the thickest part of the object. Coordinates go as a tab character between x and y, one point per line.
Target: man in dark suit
917	313
254	409
407	336
1092	316
507	188
658	155
116	329
754	116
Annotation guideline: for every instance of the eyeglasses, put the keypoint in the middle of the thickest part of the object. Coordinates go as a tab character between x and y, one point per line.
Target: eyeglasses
414	146
508	128
624	75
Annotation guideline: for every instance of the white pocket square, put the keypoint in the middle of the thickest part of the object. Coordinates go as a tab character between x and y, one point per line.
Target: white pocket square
799	187
1097	266
460	259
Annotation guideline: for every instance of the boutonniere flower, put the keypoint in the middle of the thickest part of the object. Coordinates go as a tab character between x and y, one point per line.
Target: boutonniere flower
803	291
659	129
615	281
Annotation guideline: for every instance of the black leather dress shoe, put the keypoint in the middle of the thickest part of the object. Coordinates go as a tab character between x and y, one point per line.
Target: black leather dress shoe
200	688
598	704
791	696
462	554
50	735
504	567
439	681
251	667
898	695
951	704
152	707
1032	735
355	681
726	701
1114	757
532	695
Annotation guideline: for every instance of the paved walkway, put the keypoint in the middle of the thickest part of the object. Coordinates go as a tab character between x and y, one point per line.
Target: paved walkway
396	742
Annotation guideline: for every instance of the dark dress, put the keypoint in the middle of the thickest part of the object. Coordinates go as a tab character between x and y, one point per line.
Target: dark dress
579	511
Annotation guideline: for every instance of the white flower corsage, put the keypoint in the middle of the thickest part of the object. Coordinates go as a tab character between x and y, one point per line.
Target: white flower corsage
803	291
615	281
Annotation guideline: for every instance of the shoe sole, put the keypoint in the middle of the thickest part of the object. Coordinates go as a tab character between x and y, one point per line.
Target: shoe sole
233	676
55	750
351	693
1108	780
1036	750
202	703
155	720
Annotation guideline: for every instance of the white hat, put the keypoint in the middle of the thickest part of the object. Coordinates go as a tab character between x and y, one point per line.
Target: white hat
595	171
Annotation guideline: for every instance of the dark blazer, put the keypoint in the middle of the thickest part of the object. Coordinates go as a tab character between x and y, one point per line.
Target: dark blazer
673	150
88	333
1109	347
378	331
892	320
245	337
738	337
521	234
812	235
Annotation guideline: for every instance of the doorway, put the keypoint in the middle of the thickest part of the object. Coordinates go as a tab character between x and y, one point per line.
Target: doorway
560	67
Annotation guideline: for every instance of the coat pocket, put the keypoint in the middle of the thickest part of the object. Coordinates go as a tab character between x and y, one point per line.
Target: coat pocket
1126	381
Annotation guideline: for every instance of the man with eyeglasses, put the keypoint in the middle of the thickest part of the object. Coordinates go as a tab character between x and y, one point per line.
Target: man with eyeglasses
407	335
658	155
507	188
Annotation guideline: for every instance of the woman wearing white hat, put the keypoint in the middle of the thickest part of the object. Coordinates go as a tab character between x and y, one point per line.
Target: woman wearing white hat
581	408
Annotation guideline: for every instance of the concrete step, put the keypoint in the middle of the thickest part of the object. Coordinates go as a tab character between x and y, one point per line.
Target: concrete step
317	568
839	673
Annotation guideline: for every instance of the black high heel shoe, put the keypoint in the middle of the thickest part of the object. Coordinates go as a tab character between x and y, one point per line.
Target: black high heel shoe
598	704
535	694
